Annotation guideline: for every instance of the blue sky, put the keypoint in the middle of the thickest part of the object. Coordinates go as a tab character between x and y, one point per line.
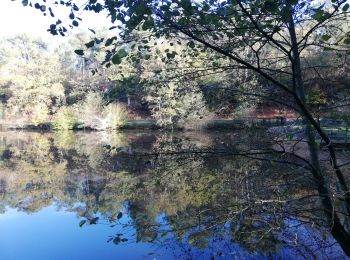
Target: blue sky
14	19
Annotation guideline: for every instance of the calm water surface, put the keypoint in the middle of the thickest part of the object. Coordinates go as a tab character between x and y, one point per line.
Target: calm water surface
143	196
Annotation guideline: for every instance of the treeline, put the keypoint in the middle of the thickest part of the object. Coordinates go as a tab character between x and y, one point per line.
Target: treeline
41	83
45	84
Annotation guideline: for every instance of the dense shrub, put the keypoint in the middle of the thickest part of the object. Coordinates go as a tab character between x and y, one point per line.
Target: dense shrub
115	116
65	119
39	115
90	111
94	113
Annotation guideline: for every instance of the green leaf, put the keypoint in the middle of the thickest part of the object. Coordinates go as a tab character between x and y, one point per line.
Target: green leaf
346	7
171	55
90	44
81	223
191	45
148	24
318	16
116	240
109	41
94	221
271	6
186	5
75	23
122	53
325	37
98	40
116	60
183	21
97	8
79	52
285	15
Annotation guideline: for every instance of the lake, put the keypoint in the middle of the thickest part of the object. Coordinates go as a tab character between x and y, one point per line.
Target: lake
156	195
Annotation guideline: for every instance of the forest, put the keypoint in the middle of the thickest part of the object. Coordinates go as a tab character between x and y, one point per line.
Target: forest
246	99
45	86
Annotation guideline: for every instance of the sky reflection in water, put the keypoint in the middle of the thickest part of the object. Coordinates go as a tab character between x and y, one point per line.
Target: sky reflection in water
132	206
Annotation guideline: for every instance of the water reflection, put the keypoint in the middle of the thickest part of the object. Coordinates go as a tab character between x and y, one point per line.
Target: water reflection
145	189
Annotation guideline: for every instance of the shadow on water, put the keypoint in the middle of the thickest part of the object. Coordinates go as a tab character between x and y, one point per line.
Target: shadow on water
179	195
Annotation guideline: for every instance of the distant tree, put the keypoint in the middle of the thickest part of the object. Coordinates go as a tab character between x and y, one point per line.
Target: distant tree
32	79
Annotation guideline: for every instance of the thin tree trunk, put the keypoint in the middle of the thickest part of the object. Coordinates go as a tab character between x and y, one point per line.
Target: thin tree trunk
337	229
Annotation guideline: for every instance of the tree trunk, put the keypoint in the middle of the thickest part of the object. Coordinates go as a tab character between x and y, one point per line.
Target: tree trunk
83	71
337	229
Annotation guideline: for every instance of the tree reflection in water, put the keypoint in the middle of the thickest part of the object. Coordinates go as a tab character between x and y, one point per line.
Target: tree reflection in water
194	194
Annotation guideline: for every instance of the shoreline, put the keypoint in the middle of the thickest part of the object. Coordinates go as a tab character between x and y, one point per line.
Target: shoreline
216	124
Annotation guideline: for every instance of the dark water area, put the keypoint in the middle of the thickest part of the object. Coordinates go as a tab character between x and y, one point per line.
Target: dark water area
155	195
